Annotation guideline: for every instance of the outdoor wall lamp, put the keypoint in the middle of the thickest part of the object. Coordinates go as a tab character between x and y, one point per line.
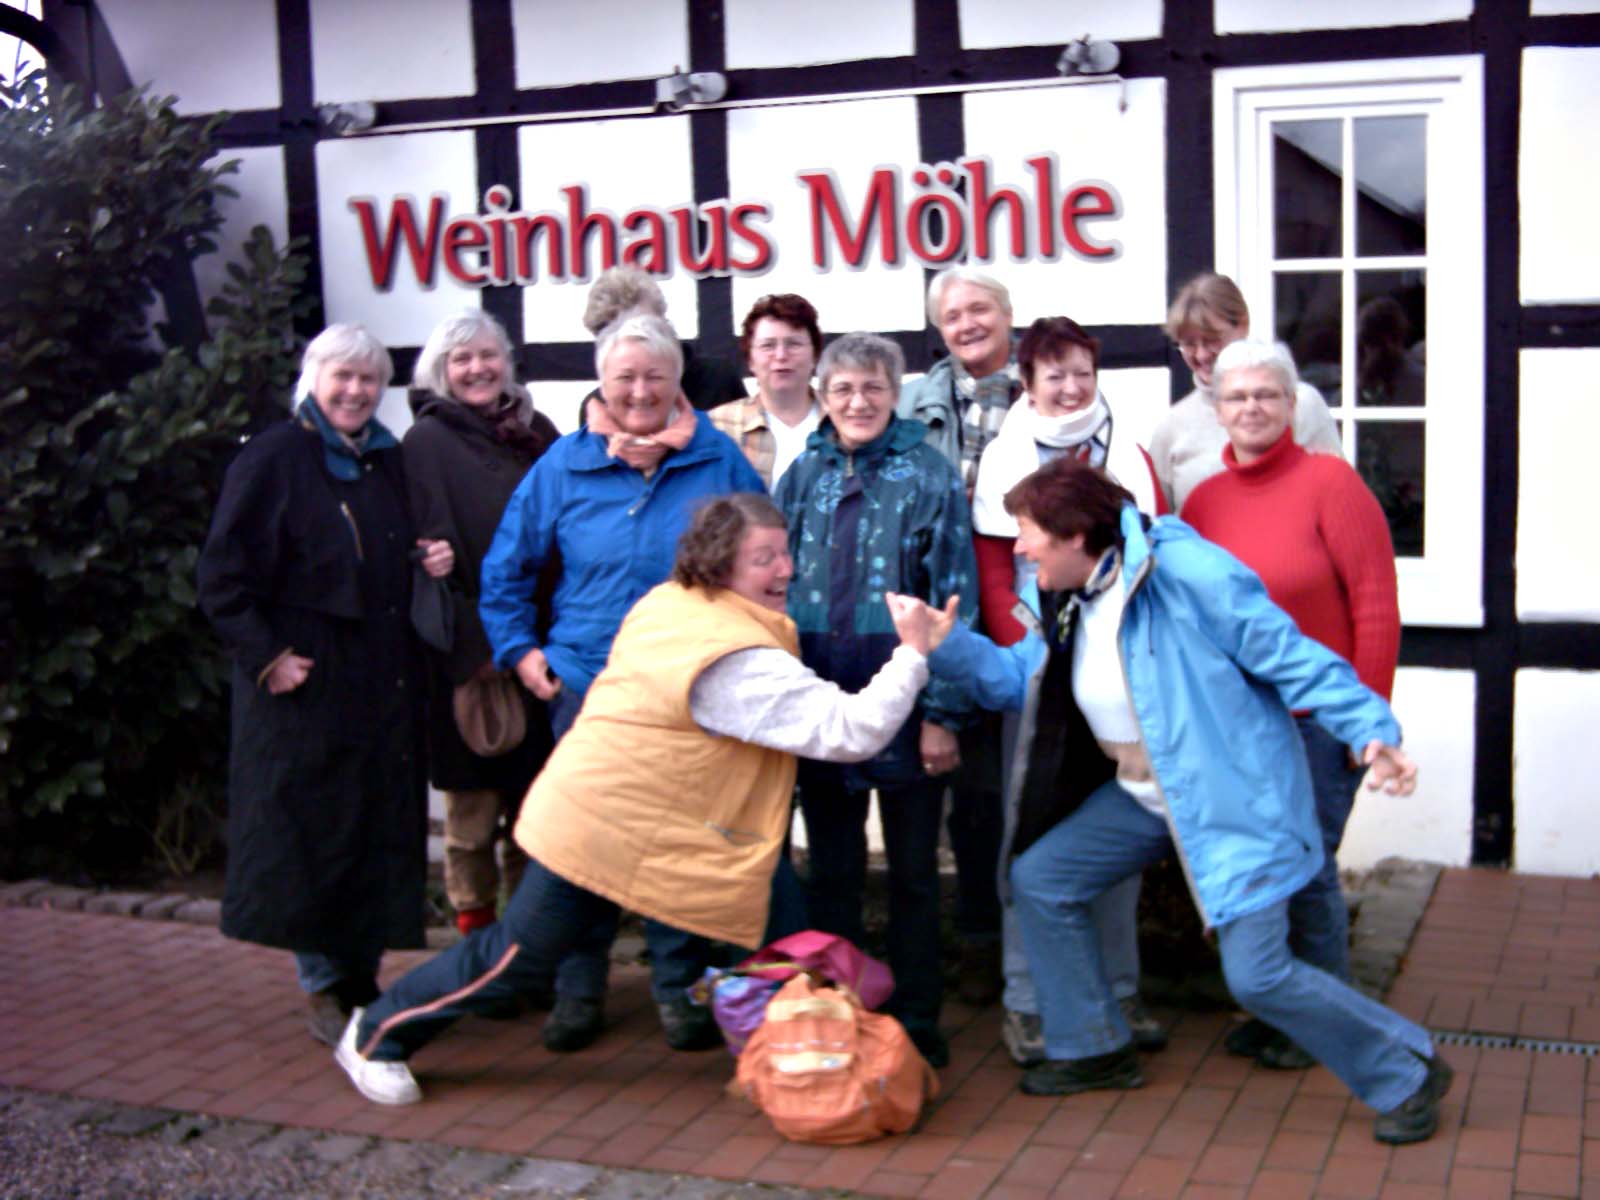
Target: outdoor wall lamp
677	91
343	120
1086	57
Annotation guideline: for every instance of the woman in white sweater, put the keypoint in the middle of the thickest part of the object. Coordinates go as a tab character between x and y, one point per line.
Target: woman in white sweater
1208	314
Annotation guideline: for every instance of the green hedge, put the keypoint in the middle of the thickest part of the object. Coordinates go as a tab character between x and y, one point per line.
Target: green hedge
113	712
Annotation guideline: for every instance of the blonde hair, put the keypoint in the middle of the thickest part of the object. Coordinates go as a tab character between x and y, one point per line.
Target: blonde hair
1207	301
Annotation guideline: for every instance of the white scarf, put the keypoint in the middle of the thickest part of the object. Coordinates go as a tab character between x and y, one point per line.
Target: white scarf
1015	454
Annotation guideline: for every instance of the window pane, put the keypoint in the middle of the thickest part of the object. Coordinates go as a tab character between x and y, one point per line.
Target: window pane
1391	185
1389	455
1307	167
1307	319
1391	351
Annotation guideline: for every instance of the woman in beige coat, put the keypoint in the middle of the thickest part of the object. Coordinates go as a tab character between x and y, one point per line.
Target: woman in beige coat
669	796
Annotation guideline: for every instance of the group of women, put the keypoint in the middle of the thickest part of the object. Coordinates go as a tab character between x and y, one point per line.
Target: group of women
680	639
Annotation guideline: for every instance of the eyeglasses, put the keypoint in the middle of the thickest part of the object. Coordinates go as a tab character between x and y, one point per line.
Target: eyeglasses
794	345
867	391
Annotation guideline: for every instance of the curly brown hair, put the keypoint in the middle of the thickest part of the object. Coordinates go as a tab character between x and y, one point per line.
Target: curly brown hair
786	307
708	548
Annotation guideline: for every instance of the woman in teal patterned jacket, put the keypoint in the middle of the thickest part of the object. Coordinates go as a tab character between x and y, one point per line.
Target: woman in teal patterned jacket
873	509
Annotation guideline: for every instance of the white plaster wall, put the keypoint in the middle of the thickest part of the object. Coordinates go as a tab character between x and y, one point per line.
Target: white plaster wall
394	410
1553	783
989	23
262	200
1138	397
390	49
1558	568
777	33
626	163
210	55
558	399
416	164
1560	162
563	42
1434	824
1094	139
767	146
1550	8
1273	16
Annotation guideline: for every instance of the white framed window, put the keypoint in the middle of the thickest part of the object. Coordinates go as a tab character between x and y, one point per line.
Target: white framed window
1349	208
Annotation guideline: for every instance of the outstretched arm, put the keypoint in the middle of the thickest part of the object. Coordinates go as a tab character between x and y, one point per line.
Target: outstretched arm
769	697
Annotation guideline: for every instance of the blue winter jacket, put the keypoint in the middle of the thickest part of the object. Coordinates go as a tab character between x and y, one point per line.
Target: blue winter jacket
616	533
1213	669
890	517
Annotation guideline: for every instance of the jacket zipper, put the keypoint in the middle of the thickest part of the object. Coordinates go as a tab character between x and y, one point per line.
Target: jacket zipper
1166	809
355	532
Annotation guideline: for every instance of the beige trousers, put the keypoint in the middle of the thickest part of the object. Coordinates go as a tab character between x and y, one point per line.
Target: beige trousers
473	823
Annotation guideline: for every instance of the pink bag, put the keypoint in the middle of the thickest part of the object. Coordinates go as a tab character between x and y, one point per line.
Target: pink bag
832	956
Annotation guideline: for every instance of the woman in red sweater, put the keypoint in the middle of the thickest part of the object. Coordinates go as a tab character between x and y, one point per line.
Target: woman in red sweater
1309	526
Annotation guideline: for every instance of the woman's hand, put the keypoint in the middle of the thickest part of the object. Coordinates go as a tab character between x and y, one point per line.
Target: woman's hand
919	626
438	559
534	671
1389	768
288	673
941	752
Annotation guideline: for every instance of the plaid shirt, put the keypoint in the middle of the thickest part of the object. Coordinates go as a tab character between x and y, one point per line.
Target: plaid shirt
745	421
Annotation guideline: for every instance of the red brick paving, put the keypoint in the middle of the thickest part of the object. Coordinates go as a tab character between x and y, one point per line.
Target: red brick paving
154	1013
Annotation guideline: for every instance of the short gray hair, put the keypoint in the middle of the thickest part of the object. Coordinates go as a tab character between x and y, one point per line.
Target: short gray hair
454	331
1257	352
978	279
655	333
862	352
621	290
342	343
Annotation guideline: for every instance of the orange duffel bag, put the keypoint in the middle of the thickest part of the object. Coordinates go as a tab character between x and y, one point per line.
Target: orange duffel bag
824	1069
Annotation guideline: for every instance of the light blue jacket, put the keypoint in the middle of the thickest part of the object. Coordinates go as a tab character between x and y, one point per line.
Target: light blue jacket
616	533
1213	668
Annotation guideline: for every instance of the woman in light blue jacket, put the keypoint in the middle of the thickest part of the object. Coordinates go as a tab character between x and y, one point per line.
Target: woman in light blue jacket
1157	694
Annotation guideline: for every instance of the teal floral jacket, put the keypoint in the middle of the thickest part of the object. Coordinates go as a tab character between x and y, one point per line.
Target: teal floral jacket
890	517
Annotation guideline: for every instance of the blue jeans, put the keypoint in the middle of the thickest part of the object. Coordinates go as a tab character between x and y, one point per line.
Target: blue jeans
677	958
836	834
1319	922
1115	915
1377	1053
318	972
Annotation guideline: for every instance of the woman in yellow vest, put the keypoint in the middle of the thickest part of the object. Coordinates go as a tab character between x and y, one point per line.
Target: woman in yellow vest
669	796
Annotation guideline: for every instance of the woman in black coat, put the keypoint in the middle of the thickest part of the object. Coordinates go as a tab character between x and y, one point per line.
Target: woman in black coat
306	575
475	436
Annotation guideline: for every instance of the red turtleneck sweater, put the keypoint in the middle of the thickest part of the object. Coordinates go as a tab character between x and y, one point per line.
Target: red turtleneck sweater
1308	525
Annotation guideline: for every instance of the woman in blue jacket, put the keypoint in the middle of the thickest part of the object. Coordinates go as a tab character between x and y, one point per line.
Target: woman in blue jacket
591	528
1159	692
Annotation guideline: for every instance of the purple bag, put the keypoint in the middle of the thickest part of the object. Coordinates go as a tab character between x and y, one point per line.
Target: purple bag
738	1003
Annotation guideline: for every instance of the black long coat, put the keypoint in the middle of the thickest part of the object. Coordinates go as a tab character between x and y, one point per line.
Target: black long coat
327	820
458	479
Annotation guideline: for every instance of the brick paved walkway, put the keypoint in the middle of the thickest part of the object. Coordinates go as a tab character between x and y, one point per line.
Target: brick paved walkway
171	1015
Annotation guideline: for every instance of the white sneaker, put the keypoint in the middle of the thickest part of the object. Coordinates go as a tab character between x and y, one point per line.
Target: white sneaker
380	1082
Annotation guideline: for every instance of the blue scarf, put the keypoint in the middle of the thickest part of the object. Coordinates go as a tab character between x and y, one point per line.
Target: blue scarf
341	453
